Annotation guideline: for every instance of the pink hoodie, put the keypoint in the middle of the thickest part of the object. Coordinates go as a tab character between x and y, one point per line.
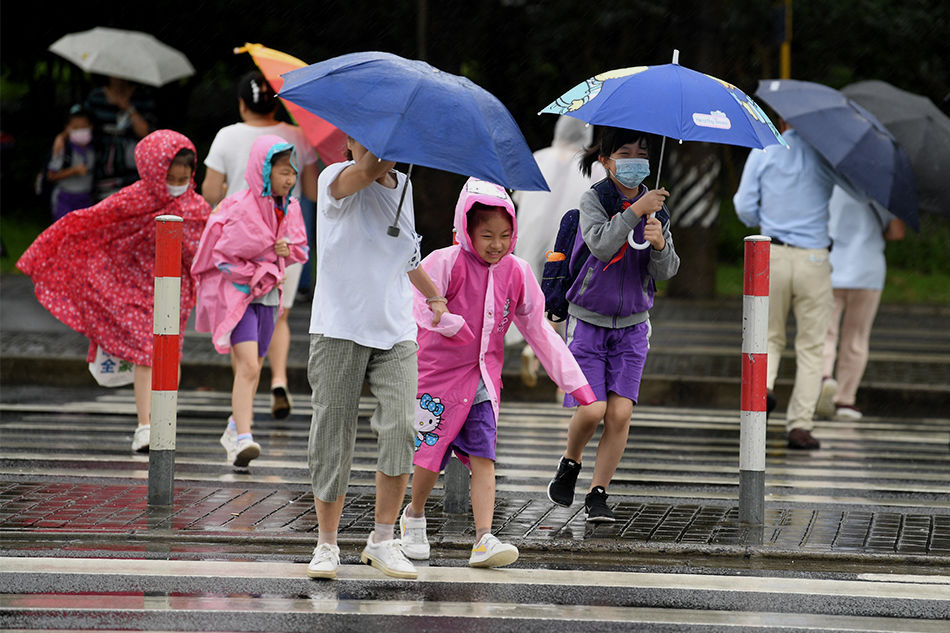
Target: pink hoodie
236	262
469	343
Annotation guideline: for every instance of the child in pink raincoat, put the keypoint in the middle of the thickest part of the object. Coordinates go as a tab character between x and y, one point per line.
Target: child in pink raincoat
461	358
250	238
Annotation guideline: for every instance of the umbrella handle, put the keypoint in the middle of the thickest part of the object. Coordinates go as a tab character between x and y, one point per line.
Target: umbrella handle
639	246
393	231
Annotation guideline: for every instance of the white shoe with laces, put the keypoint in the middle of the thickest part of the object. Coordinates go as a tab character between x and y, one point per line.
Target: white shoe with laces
141	439
388	558
412	531
326	558
490	552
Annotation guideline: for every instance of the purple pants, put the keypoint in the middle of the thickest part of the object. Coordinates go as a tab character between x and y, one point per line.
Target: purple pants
477	437
611	359
257	324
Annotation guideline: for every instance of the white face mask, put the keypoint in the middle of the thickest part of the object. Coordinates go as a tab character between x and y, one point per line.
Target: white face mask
632	171
177	190
82	136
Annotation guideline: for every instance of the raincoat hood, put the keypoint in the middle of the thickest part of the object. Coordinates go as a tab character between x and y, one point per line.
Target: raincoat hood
258	169
489	194
572	133
153	157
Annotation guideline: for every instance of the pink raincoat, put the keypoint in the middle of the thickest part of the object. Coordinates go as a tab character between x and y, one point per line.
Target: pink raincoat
468	344
94	269
236	262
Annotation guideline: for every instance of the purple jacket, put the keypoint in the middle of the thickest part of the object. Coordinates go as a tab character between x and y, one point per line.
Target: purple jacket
611	292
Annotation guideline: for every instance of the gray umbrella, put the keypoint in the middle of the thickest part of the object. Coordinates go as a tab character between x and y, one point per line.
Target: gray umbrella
921	129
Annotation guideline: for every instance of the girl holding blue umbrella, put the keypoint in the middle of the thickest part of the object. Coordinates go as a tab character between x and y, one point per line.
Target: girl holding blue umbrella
608	327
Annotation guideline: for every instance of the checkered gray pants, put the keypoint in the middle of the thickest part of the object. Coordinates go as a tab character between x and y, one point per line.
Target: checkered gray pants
336	369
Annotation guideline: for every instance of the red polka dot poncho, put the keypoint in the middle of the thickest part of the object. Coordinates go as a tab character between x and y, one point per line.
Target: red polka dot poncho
94	268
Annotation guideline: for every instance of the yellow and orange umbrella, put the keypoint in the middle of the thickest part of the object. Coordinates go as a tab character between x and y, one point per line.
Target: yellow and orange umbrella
327	140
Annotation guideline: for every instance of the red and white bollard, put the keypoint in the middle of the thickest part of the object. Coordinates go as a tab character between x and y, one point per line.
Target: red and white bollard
755	340
166	329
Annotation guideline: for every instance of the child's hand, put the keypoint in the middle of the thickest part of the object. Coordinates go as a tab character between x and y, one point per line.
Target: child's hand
281	248
653	233
438	308
651	202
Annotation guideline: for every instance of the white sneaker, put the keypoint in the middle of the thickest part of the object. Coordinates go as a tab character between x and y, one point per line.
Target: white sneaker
140	441
388	558
490	552
412	531
229	441
848	412
244	451
826	399
326	558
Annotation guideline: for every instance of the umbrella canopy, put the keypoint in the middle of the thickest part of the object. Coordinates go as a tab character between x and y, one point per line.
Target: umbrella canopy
669	100
410	112
328	141
921	129
131	55
856	144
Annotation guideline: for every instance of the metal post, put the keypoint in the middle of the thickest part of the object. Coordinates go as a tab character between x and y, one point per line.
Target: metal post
457	483
755	328
165	327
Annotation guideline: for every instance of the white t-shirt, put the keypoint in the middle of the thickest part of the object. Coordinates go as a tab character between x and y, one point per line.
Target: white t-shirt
363	293
857	232
231	149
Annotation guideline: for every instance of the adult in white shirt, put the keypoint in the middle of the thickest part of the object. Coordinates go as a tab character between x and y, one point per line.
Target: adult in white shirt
859	229
226	162
362	330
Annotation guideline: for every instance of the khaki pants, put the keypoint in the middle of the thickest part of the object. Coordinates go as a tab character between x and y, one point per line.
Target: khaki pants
800	280
849	333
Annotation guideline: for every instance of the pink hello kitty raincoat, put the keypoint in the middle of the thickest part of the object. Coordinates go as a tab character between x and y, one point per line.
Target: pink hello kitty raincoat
469	343
236	262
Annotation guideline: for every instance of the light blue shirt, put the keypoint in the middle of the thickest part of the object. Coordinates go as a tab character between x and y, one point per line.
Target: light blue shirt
785	192
857	230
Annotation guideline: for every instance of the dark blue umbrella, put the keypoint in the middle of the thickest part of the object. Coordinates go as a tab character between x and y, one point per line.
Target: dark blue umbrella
856	144
410	112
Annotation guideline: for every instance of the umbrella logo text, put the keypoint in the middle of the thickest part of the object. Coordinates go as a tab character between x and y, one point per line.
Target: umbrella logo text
715	119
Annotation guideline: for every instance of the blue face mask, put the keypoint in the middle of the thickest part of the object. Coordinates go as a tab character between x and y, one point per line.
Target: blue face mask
631	171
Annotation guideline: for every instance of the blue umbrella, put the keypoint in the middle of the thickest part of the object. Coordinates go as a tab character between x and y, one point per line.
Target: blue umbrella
856	144
669	100
410	112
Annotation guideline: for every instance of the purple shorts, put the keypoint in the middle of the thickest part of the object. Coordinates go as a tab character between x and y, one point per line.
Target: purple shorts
477	436
66	201
257	324
611	359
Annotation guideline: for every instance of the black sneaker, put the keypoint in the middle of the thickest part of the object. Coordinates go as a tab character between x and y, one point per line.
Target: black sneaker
561	488
596	508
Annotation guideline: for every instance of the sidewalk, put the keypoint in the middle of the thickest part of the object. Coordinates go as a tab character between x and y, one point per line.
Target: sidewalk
266	523
694	358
